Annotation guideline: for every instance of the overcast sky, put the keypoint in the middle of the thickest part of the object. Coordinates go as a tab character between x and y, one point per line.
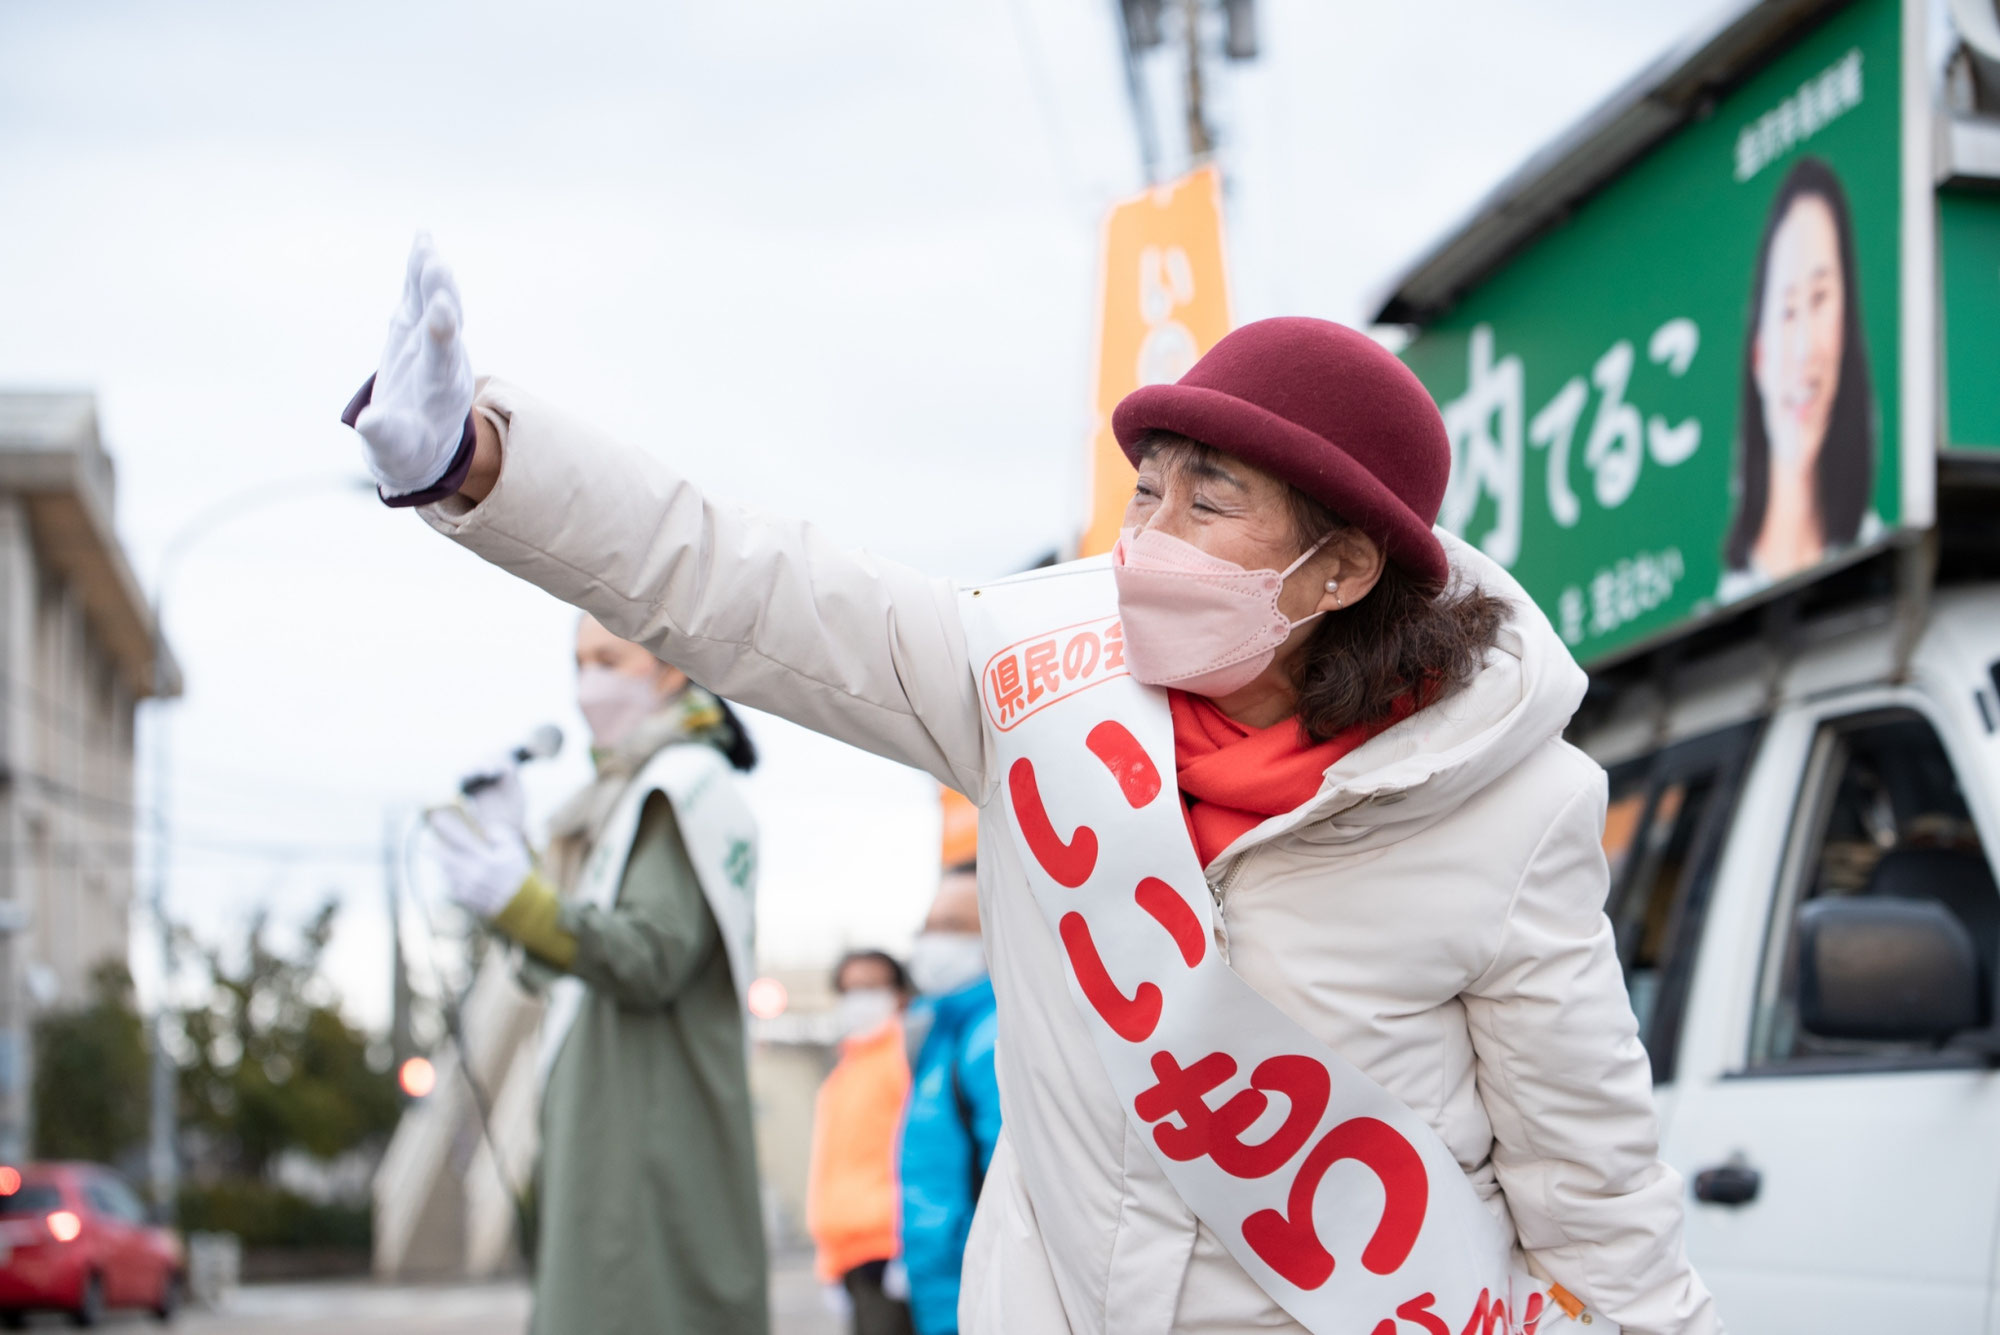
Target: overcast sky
830	259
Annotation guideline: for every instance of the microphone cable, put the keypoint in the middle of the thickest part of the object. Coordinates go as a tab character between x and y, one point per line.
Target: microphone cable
450	1007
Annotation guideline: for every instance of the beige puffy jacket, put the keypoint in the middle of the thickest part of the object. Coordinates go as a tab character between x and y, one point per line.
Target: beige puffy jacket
1435	914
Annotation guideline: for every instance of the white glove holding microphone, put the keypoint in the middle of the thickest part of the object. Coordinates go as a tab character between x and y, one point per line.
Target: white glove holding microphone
484	851
415	420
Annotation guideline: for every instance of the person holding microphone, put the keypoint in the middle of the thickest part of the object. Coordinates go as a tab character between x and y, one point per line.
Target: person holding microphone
636	922
1309	1015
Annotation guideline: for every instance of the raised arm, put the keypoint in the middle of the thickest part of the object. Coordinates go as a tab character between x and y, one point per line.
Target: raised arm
759	610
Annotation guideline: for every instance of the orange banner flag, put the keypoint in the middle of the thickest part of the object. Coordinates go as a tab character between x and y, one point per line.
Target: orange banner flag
1164	301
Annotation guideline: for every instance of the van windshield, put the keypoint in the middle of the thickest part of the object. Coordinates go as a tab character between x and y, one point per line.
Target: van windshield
32	1199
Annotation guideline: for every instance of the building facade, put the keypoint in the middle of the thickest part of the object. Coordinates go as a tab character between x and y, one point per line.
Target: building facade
77	645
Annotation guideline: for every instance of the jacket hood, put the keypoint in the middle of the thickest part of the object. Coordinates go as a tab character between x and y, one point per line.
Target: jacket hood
1431	763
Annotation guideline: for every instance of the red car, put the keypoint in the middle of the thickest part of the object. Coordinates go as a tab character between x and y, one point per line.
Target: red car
73	1237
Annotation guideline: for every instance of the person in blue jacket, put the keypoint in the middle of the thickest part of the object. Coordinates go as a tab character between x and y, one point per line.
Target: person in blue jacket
953	1115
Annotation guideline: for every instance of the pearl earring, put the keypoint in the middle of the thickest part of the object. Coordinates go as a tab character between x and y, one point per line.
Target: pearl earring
1333	587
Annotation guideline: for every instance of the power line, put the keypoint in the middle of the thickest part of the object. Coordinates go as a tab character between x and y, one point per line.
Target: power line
39	707
117	808
1058	145
68	855
124	810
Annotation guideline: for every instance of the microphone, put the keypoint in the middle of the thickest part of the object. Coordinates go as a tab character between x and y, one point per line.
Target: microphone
540	744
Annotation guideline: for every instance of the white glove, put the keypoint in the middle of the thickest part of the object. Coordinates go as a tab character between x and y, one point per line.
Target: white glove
483	868
415	419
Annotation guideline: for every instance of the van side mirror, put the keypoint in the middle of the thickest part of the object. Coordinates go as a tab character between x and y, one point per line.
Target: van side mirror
1887	970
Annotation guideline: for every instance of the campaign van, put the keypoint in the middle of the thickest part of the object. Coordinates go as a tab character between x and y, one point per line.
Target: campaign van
1721	371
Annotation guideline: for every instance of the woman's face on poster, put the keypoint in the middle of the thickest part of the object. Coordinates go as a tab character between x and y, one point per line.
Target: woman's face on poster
1799	330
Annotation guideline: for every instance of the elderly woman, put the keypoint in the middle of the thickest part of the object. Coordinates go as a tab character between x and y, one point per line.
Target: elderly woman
1329	1033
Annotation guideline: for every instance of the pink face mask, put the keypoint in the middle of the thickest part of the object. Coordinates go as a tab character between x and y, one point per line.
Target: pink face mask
1197	622
613	703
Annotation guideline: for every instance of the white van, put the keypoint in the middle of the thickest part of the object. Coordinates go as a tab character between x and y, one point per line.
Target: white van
1805	905
1804	827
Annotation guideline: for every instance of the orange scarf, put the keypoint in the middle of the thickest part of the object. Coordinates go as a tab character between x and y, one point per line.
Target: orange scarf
1234	777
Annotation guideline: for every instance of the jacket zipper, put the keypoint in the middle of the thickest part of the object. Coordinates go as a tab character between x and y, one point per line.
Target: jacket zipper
1216	891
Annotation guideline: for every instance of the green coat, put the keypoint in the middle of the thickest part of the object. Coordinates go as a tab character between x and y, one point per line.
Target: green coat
648	1218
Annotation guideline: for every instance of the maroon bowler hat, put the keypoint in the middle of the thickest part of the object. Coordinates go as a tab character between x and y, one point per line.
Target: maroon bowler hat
1325	408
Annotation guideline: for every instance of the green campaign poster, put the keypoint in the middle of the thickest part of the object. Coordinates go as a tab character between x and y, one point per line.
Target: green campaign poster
1686	392
1969	255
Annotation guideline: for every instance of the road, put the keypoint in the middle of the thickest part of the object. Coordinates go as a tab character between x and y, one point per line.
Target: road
444	1309
323	1309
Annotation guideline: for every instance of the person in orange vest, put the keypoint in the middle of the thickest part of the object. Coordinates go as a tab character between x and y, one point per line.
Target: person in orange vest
851	1195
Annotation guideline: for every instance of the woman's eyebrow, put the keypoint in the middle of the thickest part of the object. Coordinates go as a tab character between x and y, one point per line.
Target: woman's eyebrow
1212	469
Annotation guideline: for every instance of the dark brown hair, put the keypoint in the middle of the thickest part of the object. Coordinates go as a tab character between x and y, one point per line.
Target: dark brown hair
1403	639
899	977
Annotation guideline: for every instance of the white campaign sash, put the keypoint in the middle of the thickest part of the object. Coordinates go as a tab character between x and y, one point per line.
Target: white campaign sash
721	839
1338	1199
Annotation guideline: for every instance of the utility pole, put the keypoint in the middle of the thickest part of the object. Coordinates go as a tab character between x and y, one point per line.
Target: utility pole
1142	25
163	1120
401	1046
1138	28
1201	144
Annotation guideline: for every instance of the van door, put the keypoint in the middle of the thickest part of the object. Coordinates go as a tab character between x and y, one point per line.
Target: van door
1841	1184
1663	831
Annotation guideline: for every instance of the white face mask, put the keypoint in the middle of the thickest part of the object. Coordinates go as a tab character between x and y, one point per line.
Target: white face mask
943	962
613	702
864	1010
